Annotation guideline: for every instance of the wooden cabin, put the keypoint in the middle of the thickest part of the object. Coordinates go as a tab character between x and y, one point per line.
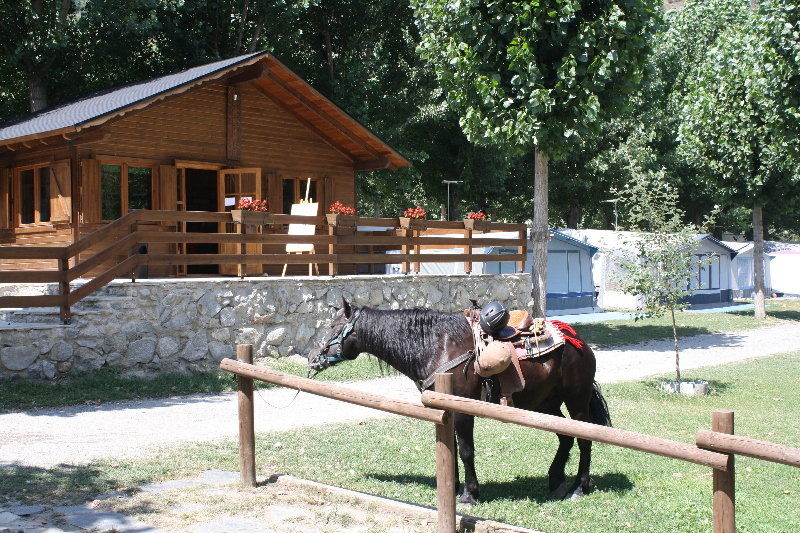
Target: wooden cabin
196	140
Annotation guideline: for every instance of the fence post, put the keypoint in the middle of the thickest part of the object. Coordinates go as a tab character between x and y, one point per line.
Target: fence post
63	267
333	267
445	463
522	250
247	438
467	249
724	481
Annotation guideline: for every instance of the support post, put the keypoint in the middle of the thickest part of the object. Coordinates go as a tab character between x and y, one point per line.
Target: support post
724	481
333	268
445	463
467	250
247	435
242	267
66	312
522	250
406	265
417	250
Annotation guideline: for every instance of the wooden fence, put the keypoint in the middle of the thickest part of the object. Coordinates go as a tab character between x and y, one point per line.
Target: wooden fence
119	248
715	449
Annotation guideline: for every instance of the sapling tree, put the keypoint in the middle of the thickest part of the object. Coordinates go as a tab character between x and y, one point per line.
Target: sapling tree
659	262
535	76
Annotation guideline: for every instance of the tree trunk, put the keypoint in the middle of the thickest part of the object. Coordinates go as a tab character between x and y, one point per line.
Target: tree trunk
758	262
539	236
677	353
573	214
37	90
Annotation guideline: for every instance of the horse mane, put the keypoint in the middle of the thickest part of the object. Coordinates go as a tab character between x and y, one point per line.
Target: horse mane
409	339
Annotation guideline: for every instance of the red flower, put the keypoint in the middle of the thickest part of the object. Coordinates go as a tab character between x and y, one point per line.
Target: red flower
415	212
247	204
338	208
477	215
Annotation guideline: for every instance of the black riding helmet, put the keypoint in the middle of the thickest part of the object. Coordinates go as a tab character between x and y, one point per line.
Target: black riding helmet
493	317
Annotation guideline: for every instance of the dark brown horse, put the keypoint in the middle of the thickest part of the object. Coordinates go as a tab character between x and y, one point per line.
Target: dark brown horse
417	342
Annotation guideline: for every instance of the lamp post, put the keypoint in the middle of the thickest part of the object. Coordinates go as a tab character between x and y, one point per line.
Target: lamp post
448	183
614	201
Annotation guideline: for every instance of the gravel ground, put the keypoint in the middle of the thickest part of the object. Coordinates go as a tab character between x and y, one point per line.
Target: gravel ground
79	434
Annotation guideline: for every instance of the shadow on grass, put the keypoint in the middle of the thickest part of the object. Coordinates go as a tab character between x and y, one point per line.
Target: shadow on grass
780	314
533	487
63	484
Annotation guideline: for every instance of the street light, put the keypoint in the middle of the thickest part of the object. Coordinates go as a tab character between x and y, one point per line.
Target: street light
614	201
448	183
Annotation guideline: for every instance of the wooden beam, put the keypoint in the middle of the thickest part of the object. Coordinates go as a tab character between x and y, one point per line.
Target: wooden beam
373	164
759	449
251	73
233	126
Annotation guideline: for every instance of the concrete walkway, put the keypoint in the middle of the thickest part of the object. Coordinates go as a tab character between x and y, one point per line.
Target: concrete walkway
79	434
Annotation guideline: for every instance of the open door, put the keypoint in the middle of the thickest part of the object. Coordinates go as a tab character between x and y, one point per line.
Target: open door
235	184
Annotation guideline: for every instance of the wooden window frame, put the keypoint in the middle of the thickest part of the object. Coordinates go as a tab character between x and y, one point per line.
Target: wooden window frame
299	190
17	186
123	164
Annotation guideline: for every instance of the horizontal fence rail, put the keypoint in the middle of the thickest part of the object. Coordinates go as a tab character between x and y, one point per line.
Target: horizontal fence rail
115	250
715	449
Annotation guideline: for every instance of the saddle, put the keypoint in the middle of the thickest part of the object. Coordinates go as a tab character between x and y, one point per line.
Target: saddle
500	355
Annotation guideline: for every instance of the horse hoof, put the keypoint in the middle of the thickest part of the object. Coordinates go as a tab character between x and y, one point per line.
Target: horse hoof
576	494
468	499
560	492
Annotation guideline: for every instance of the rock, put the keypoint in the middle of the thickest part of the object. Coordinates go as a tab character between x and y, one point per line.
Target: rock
89	343
44	345
285	350
48	370
167	346
63	366
227	317
7	518
18	357
26	510
196	348
375	297
433	297
208	305
221	334
275	336
221	350
61	351
248	336
84	517
141	350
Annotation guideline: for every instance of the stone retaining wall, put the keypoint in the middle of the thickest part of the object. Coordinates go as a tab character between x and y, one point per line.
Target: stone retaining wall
189	325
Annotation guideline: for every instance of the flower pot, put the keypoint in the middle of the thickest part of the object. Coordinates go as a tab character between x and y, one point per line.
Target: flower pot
412	223
697	387
344	221
476	224
243	216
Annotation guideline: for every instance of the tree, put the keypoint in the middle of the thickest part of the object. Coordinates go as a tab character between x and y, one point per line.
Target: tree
534	76
741	118
659	261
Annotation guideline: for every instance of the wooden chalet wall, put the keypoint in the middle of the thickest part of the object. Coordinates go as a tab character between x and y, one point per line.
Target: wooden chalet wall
230	126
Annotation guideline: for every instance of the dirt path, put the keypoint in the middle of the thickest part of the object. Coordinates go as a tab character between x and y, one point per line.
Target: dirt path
79	434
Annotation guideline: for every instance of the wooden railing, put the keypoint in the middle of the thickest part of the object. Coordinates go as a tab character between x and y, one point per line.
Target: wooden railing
714	449
335	244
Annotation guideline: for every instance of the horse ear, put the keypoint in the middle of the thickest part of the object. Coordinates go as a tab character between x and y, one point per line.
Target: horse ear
347	309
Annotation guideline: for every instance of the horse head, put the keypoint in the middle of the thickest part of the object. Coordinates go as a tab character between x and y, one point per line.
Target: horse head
340	344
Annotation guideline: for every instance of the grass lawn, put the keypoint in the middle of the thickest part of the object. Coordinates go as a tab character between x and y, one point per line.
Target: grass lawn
622	332
107	385
635	491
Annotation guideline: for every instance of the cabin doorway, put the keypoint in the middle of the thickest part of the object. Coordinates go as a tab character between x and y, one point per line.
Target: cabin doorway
201	189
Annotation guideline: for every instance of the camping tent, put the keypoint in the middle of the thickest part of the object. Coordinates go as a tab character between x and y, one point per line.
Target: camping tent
742	282
710	286
784	267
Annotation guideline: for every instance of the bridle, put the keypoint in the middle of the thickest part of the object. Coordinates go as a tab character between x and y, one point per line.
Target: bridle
325	360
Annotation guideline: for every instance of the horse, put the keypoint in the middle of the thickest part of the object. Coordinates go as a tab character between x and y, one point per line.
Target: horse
417	342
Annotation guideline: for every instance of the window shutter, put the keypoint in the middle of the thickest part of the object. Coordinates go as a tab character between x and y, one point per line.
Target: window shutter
60	191
167	189
90	173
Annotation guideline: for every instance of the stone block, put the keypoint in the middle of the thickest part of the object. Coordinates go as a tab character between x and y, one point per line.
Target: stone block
18	357
196	348
276	335
220	350
141	350
48	370
167	347
227	317
209	304
61	351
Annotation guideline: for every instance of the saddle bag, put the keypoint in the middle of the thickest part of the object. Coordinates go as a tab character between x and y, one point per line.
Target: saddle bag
494	358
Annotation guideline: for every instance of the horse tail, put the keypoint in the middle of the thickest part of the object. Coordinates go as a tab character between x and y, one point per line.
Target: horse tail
598	408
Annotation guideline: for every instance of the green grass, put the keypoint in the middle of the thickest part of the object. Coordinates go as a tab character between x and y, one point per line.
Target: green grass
624	332
107	385
395	458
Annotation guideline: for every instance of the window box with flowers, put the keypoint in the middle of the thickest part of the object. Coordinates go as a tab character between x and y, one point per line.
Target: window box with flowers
251	212
341	215
414	218
477	221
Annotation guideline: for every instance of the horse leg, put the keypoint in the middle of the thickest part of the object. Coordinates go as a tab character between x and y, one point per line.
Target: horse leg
583	483
465	425
556	475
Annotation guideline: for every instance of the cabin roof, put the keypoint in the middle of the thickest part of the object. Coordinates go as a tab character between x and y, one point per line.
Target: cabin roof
270	76
609	240
557	234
